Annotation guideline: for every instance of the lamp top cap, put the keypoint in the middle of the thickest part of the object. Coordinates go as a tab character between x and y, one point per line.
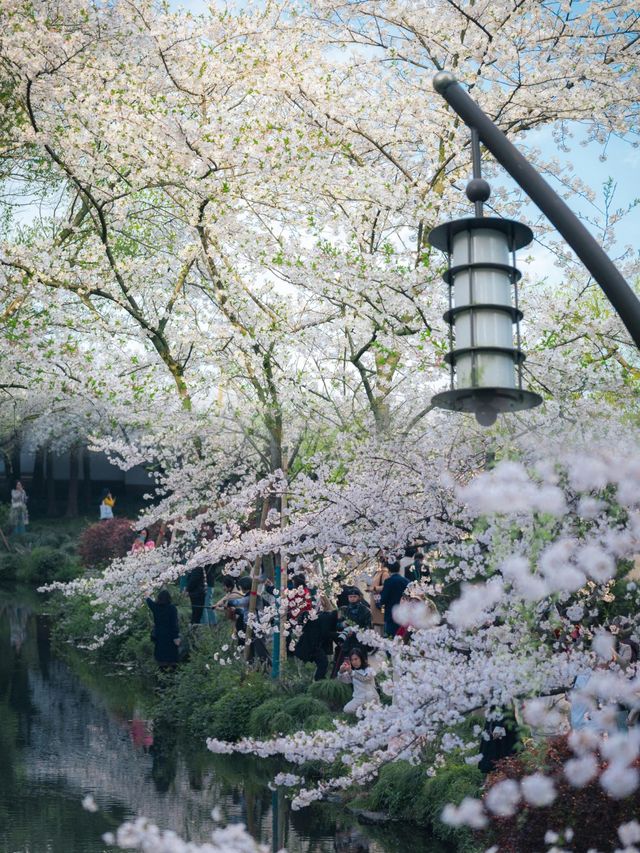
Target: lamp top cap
518	235
443	80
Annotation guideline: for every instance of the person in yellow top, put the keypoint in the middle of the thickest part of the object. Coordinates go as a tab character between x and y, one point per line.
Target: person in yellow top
106	505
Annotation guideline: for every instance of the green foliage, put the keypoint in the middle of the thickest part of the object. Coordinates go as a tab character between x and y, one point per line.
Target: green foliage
46	553
45	564
261	719
396	789
10	564
406	792
283	724
321	722
301	707
333	692
449	785
228	718
282	714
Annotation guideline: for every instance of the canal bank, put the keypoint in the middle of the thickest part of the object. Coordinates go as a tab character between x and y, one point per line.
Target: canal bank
65	734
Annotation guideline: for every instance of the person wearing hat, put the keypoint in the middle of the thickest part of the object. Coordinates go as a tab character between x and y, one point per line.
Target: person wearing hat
355	613
353	616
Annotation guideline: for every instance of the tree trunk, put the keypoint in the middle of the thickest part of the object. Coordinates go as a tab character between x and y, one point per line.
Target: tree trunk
38	487
86	482
74	472
51	485
6	486
16	468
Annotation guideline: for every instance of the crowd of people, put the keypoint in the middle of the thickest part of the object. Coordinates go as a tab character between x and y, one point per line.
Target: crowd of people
320	631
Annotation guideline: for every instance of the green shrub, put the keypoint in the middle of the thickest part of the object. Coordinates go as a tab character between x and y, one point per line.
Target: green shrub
396	788
41	565
283	724
333	692
228	718
49	539
321	722
69	547
261	718
300	707
449	785
67	570
10	564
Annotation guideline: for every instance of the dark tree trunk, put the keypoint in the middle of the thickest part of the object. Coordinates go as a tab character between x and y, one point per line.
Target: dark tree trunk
6	484
51	485
16	468
38	486
86	481
74	474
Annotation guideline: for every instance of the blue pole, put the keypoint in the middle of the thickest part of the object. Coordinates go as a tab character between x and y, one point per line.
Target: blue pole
275	651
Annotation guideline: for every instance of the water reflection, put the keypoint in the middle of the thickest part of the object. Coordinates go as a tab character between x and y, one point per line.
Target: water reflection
65	733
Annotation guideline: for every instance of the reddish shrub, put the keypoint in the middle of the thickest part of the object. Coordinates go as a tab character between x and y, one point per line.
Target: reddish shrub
105	541
592	815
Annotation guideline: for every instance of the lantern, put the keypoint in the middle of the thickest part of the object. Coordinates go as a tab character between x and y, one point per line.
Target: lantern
485	365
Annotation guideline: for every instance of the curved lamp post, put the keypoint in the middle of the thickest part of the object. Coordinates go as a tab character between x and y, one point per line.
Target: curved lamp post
478	397
486	367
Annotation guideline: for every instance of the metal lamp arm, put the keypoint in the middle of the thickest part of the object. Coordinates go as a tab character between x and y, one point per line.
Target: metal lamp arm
615	287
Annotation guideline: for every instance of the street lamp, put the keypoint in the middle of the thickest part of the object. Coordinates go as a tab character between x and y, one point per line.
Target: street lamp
485	366
622	298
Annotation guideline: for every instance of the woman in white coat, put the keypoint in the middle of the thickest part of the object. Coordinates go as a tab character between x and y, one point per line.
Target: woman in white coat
358	673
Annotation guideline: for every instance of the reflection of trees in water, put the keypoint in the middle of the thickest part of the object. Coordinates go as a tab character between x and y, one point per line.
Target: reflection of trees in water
165	758
18	618
68	743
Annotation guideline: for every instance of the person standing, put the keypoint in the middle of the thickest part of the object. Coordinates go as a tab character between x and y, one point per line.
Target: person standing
413	572
375	588
392	591
230	591
196	590
316	642
209	614
166	629
299	599
106	505
19	517
143	542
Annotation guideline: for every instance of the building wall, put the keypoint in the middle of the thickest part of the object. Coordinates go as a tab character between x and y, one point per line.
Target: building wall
101	470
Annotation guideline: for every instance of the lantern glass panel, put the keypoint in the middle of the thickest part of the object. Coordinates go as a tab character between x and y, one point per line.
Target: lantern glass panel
480	245
491	287
490	329
493	370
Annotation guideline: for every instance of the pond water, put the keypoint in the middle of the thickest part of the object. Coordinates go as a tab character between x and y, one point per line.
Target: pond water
67	729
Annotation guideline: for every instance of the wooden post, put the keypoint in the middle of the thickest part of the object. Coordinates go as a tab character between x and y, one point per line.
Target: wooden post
255	575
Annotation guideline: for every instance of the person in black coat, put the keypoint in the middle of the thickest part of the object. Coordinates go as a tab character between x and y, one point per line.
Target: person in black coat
392	591
316	642
355	612
166	630
197	591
